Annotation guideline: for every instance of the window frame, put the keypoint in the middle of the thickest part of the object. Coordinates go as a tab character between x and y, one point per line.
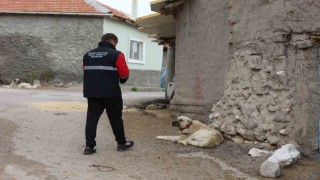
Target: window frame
143	61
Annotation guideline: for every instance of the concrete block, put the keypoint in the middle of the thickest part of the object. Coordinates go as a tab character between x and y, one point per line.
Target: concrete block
270	169
285	156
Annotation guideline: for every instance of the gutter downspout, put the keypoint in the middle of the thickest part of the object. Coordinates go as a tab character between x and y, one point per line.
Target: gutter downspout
319	117
319	138
171	56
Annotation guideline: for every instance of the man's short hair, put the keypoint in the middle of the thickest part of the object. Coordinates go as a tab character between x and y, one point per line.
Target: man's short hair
109	37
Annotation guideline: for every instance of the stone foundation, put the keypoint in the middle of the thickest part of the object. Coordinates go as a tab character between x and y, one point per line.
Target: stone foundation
272	87
144	78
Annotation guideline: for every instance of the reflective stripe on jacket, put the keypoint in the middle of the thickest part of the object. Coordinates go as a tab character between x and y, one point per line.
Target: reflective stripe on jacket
101	78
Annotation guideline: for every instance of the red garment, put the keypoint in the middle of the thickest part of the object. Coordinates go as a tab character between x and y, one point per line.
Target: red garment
121	65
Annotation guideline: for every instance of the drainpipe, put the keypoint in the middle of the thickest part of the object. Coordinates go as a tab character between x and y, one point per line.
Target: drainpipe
170	66
319	117
319	137
171	63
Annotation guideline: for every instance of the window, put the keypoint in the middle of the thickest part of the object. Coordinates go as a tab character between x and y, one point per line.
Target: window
136	54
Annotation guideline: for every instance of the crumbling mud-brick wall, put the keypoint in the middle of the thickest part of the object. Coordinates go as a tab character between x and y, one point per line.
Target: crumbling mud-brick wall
272	90
45	47
201	57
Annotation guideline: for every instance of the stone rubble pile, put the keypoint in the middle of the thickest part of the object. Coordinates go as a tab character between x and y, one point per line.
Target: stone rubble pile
272	75
282	157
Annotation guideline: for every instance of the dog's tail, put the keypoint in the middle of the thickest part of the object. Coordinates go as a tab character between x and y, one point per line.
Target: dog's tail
168	138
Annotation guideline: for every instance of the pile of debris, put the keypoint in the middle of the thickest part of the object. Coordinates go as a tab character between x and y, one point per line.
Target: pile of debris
284	156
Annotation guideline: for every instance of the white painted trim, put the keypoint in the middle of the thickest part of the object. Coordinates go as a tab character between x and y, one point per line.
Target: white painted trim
143	52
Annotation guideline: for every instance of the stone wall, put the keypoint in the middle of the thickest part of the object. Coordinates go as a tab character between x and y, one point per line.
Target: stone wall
272	90
143	78
201	57
46	47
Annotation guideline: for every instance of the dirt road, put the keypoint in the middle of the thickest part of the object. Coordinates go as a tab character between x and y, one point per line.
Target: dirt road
42	137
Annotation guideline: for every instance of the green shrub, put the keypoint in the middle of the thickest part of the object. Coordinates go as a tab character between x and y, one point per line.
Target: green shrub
134	89
47	75
33	76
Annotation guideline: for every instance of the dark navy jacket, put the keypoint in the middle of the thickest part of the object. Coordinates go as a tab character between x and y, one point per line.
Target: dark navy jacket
101	78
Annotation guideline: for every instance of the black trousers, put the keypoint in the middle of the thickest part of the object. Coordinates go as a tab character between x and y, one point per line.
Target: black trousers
113	107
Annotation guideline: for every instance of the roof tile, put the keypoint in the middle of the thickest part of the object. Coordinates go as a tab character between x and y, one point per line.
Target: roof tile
61	6
67	6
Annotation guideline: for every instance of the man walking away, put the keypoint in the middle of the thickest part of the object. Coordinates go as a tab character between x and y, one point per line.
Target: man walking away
104	67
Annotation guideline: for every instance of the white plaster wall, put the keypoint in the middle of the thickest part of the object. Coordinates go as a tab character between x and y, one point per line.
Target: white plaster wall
124	31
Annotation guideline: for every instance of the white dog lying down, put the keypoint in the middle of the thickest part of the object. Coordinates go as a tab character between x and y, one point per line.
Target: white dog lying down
195	133
17	83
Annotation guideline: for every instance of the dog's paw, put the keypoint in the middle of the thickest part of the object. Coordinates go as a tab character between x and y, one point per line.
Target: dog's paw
182	142
159	137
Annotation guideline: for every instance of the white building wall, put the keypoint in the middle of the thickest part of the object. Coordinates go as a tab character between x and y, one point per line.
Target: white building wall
152	51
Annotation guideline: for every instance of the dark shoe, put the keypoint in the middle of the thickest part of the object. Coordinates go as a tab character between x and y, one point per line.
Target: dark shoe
89	151
125	146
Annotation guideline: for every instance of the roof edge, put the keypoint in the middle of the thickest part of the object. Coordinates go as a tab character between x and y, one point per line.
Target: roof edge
97	6
58	13
117	18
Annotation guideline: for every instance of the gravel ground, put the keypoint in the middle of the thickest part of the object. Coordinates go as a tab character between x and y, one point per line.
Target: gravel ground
42	137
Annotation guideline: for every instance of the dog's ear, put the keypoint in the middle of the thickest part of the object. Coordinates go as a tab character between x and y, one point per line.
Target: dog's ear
184	118
180	118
